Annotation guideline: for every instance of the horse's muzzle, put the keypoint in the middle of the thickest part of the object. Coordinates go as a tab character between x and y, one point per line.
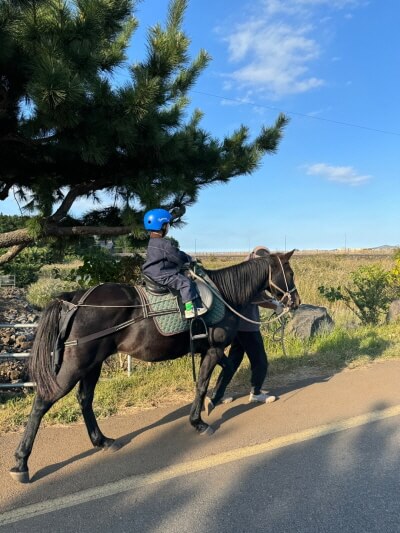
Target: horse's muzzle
295	300
291	300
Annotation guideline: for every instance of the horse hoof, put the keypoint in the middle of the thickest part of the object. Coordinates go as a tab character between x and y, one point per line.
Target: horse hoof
112	448
208	431
20	477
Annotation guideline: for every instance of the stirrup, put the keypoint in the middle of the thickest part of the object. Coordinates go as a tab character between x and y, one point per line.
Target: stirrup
203	334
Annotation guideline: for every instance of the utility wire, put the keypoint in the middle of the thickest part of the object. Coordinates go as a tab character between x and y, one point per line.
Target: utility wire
321	119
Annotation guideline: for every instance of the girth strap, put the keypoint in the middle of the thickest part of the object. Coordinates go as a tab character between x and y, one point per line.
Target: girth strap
113	329
103	333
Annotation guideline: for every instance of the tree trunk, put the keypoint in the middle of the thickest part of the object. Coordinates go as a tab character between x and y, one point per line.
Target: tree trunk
17	240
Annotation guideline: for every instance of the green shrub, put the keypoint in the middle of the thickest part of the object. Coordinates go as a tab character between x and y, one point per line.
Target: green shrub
46	289
369	296
394	276
27	264
59	270
130	269
100	266
24	274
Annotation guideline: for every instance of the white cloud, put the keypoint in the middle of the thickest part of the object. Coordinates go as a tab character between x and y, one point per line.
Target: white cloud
346	175
275	56
275	49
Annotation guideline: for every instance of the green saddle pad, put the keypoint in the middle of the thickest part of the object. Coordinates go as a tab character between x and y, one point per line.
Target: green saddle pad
171	321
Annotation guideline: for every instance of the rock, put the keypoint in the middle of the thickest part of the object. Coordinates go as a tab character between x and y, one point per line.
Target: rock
14	309
393	314
308	320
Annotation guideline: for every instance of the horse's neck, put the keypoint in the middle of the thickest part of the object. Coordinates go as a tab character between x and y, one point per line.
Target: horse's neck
239	284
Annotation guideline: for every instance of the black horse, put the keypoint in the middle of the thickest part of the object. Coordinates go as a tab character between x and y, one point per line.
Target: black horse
113	304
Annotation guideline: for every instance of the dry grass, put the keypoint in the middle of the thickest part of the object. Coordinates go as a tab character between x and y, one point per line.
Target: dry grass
171	382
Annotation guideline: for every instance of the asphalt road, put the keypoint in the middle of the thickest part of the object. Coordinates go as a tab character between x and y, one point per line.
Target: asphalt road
324	458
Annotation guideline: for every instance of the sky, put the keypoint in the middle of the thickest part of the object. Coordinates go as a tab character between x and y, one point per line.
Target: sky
333	66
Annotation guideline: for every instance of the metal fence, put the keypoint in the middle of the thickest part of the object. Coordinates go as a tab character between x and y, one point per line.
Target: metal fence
24	355
16	356
7	280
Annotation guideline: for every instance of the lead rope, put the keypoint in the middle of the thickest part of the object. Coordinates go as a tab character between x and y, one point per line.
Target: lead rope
280	330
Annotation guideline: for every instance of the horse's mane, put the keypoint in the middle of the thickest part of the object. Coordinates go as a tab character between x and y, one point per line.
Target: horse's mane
239	284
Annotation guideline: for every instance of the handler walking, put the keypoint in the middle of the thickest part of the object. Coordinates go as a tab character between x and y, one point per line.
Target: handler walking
248	340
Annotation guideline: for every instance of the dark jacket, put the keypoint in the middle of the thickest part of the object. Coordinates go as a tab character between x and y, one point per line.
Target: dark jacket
163	259
252	312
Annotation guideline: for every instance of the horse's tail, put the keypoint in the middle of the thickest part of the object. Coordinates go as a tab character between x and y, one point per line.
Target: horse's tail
41	362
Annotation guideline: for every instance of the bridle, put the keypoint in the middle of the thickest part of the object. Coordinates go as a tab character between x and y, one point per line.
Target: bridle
285	293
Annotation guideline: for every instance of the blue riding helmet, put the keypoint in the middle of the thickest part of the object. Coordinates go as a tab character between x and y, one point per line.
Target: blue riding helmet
156	218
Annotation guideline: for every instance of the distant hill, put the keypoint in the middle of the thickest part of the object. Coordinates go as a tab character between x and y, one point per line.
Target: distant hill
384	247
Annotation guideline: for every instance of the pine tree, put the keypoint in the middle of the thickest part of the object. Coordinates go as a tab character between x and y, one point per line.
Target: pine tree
67	131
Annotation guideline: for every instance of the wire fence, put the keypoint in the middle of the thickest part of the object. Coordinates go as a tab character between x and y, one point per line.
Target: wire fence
13	356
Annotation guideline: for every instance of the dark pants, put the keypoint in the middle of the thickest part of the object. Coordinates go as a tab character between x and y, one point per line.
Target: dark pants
181	283
251	343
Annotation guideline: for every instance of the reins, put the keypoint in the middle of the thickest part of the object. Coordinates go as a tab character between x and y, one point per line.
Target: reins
273	319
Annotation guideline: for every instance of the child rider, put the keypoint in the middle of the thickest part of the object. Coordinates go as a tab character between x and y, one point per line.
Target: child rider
164	262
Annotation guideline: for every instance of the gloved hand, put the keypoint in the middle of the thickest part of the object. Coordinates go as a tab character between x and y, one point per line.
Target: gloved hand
195	262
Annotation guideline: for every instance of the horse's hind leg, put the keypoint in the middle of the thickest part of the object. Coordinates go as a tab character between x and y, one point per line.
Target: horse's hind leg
85	397
66	382
208	364
40	407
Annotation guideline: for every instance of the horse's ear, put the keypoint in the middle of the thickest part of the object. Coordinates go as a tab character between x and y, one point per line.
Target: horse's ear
288	255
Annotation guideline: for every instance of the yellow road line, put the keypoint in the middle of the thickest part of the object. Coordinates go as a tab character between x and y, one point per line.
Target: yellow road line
134	482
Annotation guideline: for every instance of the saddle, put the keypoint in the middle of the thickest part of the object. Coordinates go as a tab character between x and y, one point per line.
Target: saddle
167	310
206	296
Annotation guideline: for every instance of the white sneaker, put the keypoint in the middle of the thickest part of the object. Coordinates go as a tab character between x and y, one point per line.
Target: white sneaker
263	397
209	405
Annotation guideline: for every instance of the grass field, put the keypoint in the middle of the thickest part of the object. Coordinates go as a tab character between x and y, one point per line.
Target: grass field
348	345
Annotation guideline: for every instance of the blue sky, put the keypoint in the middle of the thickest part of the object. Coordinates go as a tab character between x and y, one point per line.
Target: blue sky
333	66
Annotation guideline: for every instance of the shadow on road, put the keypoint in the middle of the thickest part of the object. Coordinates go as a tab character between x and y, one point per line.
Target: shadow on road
346	481
182	412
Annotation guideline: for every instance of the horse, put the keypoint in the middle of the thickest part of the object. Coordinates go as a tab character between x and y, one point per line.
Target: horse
117	305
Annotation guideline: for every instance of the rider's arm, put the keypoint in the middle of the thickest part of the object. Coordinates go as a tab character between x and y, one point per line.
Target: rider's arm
175	255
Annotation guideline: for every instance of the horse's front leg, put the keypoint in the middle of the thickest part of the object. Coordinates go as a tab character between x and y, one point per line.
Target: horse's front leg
209	362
